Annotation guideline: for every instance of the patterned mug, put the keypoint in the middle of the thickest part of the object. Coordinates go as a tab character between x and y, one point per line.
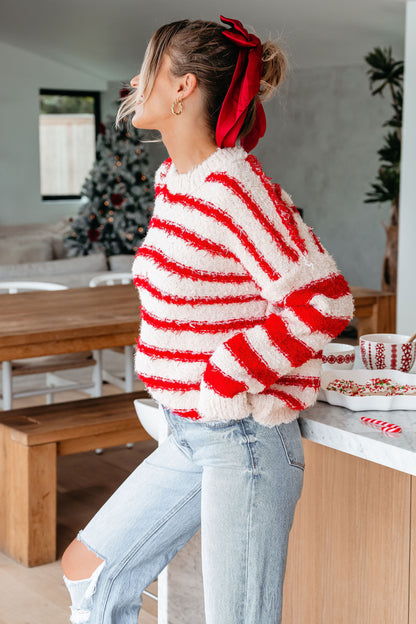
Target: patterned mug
387	351
338	355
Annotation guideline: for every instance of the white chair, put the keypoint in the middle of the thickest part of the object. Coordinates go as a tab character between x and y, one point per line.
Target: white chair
110	278
14	286
153	420
47	364
126	380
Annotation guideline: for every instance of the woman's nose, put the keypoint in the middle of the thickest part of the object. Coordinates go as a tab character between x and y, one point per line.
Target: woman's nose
135	81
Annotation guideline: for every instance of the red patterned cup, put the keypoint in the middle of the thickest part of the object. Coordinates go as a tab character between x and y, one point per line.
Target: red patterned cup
391	351
338	355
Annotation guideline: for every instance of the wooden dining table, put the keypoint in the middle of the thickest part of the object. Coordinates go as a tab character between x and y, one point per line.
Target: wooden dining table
82	319
67	321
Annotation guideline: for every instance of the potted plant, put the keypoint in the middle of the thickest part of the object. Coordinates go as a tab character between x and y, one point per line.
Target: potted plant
386	73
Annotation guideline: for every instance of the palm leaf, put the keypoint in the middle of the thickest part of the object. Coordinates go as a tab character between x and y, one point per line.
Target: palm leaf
386	188
383	69
390	152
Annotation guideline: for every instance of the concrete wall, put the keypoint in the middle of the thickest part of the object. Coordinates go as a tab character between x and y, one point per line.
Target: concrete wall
22	75
324	130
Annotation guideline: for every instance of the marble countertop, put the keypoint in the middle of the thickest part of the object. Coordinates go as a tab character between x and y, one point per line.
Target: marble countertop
342	429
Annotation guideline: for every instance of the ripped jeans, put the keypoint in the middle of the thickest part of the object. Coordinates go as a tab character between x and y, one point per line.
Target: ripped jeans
237	480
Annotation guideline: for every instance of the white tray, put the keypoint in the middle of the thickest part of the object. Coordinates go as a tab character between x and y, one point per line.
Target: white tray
364	403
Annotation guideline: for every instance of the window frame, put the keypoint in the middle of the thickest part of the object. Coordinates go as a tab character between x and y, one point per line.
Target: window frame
96	95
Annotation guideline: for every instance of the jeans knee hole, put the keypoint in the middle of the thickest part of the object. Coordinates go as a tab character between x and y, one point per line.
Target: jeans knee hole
81	593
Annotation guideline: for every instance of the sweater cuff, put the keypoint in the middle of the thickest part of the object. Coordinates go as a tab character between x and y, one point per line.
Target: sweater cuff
212	406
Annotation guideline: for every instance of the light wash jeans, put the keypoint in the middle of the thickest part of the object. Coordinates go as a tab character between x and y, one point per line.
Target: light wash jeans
237	480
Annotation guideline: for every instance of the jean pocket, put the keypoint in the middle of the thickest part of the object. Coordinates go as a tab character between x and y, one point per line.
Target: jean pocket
291	440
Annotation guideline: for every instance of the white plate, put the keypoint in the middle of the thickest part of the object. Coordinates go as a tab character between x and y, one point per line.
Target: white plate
364	403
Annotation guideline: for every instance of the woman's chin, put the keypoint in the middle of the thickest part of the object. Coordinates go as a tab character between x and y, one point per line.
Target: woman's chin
138	118
139	122
135	122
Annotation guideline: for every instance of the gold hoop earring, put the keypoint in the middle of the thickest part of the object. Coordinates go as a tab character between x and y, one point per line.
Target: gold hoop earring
179	110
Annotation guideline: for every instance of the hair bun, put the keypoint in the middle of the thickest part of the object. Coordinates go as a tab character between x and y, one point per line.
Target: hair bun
275	65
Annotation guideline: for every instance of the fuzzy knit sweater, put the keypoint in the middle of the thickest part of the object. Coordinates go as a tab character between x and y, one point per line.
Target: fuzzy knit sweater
238	296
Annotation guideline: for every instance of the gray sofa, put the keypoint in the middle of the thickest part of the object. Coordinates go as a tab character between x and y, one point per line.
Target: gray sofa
36	252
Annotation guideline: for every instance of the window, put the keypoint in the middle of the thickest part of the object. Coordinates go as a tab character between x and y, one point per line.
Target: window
68	126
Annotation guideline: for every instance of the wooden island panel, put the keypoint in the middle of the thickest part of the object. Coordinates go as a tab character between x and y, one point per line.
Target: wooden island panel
350	543
412	580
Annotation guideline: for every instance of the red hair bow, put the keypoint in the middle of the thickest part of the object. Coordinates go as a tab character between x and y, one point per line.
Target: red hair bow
244	87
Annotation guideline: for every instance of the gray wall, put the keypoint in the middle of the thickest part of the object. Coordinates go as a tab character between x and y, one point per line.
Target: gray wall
324	130
22	75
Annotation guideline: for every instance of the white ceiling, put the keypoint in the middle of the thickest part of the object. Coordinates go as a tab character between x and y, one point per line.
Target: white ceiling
107	38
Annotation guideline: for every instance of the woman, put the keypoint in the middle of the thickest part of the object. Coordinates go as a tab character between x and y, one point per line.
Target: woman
238	299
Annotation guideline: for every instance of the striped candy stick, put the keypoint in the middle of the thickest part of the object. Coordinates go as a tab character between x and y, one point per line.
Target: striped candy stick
381	424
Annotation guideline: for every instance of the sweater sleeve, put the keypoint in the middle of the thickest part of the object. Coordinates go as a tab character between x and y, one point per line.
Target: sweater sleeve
308	300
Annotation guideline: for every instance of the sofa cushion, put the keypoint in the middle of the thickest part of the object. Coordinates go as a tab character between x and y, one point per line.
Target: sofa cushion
57	228
25	249
58	248
23	242
92	264
122	263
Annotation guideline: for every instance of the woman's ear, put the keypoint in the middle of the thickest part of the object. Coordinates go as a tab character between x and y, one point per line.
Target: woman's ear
187	85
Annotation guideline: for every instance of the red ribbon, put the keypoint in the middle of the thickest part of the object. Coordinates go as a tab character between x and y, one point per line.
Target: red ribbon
244	87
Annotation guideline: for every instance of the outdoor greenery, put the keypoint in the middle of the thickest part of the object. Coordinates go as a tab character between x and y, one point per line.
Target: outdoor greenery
51	104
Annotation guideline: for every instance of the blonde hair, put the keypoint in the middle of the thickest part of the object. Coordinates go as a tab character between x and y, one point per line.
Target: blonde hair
199	47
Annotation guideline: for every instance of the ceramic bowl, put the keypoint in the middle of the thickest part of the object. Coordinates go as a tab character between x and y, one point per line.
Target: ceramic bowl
338	355
387	351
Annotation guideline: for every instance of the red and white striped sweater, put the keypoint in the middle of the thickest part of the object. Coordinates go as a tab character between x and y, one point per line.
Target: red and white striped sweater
238	296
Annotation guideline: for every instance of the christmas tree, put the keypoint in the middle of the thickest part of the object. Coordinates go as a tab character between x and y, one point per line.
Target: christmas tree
117	196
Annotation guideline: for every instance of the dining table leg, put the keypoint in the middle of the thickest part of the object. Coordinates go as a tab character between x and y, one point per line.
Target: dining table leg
6	386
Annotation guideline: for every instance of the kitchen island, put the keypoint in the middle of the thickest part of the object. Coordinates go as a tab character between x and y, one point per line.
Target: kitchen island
352	548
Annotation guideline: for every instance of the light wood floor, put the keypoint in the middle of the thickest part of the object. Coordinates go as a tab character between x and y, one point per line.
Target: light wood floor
85	481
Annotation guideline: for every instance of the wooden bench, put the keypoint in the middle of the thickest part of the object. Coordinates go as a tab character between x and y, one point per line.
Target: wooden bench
31	439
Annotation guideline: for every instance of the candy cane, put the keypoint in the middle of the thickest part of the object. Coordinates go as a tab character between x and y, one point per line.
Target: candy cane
382	425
